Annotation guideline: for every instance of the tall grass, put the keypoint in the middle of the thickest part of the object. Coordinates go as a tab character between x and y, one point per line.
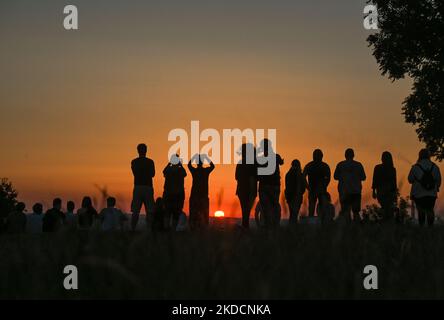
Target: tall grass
307	262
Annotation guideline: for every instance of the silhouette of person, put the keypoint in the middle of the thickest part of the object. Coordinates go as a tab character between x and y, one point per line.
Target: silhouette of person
87	214
199	201
270	186
246	177
143	193
54	217
16	222
112	218
425	178
174	190
350	175
326	211
158	215
318	175
295	186
34	221
70	217
384	186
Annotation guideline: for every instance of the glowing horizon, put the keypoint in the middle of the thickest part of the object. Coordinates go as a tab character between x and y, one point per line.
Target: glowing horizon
75	105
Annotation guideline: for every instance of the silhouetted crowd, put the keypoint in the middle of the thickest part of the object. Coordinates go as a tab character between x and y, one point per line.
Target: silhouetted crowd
166	213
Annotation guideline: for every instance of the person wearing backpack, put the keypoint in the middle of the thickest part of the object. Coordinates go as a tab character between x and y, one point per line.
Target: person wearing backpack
425	178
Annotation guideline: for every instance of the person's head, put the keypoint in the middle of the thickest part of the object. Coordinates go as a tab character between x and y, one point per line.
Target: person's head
70	206
424	154
349	154
111	202
57	203
86	202
318	155
248	152
20	207
296	165
37	208
387	159
175	159
142	149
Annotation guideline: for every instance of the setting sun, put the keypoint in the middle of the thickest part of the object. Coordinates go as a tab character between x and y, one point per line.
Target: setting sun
219	214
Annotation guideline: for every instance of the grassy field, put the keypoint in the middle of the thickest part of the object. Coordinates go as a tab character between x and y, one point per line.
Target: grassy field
306	262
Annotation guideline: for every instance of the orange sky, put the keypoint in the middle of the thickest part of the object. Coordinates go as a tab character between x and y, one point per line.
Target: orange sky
75	105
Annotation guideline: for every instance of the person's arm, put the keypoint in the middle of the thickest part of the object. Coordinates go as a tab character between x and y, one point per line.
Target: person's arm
438	178
212	166
375	181
412	177
165	170
280	160
182	171
305	176
153	169
133	169
328	176
363	176
190	166
337	173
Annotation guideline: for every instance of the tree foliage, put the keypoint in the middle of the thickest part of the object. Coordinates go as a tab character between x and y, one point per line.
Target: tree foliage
410	43
8	197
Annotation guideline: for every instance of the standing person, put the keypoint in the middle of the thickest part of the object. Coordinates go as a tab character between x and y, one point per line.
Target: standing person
246	177
270	185
34	221
384	186
54	217
112	218
425	178
350	175
199	201
318	175
174	190
16	222
143	193
70	217
295	186
87	214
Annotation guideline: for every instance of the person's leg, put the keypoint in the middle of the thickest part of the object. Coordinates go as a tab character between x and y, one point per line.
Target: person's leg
198	212
206	211
244	202
293	214
356	207
297	208
178	208
387	207
345	207
312	198
421	211
430	207
276	206
148	202
267	209
136	205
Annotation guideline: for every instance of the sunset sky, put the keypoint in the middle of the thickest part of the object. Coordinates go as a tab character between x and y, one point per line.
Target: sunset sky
74	104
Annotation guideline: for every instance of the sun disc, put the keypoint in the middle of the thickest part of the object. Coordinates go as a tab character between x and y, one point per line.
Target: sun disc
219	214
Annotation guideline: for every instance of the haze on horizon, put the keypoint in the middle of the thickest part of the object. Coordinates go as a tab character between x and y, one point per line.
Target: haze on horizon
74	104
